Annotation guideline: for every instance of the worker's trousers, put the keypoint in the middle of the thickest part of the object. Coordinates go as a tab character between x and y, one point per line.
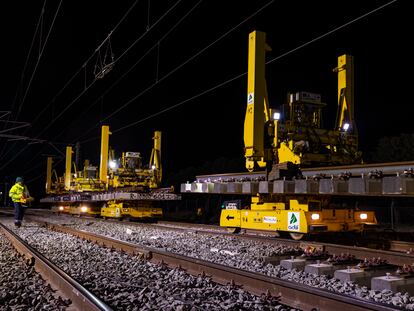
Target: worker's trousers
18	212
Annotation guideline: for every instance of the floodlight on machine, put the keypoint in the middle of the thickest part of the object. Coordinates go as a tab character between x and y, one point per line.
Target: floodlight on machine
276	116
315	216
345	127
113	165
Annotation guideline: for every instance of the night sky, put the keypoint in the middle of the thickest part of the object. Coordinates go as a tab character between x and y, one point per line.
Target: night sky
209	126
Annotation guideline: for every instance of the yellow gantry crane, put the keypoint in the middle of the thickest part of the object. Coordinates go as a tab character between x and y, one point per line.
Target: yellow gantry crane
299	137
118	184
283	144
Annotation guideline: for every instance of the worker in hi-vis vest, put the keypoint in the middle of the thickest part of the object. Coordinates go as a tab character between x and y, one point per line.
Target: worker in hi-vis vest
20	197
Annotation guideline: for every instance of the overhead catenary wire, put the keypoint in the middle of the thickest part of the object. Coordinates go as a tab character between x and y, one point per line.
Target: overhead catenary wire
202	50
331	31
70	80
42	174
148	29
135	42
180	103
245	73
35	69
182	64
26	63
35	157
94	81
28	139
157	45
38	60
82	67
79	70
20	85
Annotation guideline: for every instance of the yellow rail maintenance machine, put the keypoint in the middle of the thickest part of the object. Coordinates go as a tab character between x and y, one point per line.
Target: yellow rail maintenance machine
123	187
279	147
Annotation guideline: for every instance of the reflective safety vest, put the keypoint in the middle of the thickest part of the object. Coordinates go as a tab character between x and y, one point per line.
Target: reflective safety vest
18	193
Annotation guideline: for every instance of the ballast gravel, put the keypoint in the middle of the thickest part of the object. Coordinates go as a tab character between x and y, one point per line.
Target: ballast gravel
234	252
128	283
21	287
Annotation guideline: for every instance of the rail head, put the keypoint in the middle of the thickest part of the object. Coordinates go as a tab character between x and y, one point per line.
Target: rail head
292	294
81	298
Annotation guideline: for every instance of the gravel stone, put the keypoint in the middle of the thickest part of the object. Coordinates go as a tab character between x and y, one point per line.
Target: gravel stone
21	287
129	283
230	251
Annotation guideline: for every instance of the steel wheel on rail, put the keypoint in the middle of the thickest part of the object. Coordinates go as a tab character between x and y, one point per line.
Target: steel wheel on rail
296	236
233	229
276	234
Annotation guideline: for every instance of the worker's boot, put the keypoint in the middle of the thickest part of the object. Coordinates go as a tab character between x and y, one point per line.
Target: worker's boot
17	224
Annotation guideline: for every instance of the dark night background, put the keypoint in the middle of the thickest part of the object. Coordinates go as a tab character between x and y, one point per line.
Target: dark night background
204	130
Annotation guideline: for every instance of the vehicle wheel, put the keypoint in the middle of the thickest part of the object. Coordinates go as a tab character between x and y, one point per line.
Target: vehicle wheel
296	236
233	229
276	234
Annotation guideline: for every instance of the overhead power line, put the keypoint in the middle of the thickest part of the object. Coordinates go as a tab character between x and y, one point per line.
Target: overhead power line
20	85
245	73
93	82
41	50
73	101
129	70
182	64
156	45
42	12
69	82
38	61
84	63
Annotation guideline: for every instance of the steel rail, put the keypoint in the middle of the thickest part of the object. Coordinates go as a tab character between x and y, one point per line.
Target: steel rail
81	298
290	293
399	252
356	170
402	246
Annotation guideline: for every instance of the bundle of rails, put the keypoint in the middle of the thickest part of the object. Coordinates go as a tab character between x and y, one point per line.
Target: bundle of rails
376	179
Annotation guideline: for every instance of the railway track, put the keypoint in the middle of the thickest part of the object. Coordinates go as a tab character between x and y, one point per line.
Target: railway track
292	294
81	298
396	252
129	283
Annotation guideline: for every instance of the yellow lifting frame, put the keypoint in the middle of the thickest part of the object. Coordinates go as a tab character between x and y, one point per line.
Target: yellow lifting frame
103	169
345	115
68	176
257	111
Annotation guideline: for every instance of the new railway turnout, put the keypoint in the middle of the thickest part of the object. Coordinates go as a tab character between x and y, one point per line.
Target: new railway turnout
250	260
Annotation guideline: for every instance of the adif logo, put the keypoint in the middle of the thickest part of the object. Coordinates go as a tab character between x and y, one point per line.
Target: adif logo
293	221
250	98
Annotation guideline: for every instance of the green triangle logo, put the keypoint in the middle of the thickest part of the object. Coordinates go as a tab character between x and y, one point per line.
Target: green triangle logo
293	219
